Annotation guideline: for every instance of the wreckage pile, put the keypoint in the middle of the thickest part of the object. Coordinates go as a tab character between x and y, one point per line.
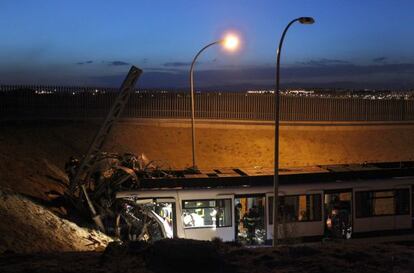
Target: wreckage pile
92	192
27	227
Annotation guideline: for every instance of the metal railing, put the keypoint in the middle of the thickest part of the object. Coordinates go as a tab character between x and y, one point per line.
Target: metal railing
37	102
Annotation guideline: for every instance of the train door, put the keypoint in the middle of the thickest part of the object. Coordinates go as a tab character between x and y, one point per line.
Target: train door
165	211
250	224
148	219
338	213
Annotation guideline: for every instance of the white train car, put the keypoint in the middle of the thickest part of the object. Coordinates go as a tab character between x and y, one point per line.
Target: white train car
370	199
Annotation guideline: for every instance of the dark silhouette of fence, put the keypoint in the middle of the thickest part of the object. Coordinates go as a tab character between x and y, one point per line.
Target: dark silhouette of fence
36	102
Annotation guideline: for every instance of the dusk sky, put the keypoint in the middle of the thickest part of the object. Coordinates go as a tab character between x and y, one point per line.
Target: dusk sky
353	43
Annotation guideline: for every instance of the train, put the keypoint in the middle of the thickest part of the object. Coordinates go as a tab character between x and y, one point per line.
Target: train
313	202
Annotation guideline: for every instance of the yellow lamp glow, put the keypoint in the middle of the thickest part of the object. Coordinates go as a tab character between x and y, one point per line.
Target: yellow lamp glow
231	42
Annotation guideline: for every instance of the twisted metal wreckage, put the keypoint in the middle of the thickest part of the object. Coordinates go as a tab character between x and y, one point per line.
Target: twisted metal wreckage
95	180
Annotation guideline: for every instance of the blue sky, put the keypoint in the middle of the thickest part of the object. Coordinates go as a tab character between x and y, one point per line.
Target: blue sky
353	43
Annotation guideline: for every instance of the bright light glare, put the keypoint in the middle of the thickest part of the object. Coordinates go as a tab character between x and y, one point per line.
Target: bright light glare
231	42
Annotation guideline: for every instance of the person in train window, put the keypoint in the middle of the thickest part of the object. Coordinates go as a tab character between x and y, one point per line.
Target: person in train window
339	224
250	220
342	223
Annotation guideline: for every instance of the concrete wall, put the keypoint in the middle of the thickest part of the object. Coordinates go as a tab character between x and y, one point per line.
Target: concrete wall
249	144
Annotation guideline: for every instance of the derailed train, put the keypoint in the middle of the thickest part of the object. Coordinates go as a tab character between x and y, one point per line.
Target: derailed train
236	204
335	201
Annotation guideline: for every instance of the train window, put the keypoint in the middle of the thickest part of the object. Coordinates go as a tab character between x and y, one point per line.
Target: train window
297	208
412	203
207	213
402	201
223	218
381	203
363	204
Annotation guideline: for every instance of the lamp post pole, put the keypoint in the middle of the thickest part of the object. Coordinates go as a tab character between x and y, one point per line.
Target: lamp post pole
302	20
193	137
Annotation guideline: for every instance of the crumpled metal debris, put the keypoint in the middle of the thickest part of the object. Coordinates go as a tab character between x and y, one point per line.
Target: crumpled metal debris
112	173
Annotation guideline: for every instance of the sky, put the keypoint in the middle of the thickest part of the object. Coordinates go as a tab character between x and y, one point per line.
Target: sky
353	43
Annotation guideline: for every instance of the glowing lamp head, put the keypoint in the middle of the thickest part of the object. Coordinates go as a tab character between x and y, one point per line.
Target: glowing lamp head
230	42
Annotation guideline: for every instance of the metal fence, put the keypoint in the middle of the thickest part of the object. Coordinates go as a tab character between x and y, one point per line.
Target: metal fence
23	102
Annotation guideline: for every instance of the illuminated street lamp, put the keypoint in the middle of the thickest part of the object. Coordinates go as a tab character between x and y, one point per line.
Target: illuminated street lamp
230	42
302	20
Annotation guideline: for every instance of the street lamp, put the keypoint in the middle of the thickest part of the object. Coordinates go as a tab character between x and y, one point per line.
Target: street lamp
230	42
302	20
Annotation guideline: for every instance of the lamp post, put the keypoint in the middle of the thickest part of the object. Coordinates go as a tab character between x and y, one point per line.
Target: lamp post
302	20
230	42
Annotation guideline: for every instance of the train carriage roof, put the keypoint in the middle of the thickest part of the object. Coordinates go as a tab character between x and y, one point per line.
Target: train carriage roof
231	177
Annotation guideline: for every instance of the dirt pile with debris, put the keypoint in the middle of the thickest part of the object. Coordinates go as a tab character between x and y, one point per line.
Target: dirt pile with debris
27	227
174	255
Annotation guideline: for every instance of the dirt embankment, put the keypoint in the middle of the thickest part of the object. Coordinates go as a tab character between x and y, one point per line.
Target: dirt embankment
32	157
250	144
27	227
33	153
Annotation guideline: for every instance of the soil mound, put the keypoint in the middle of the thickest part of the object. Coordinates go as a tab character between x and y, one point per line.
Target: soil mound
27	227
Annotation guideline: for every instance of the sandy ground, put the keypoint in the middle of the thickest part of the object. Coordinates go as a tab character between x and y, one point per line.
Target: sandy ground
195	256
250	144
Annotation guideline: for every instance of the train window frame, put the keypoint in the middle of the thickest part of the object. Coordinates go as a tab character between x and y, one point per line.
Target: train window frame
270	209
412	204
397	213
369	202
216	200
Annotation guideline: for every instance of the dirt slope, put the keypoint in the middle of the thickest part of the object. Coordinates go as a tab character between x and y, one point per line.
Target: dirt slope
26	227
33	153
